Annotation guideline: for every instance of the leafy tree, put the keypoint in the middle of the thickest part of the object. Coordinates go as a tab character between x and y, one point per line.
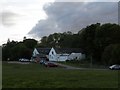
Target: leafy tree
6	49
15	50
111	54
95	40
20	51
87	37
105	35
30	43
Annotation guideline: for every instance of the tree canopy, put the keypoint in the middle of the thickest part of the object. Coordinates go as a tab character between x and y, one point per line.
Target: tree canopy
14	50
101	42
94	39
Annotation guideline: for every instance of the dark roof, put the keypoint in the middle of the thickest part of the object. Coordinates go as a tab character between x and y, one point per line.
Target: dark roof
43	50
68	50
41	55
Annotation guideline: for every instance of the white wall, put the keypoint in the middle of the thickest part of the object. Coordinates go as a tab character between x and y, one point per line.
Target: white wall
52	55
63	58
77	56
35	52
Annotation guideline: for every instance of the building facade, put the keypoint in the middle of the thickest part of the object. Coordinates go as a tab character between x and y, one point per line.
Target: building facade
58	54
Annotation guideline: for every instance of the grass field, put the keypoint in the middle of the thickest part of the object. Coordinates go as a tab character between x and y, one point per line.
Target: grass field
38	76
80	64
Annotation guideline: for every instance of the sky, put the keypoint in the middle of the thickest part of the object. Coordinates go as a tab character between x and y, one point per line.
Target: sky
37	18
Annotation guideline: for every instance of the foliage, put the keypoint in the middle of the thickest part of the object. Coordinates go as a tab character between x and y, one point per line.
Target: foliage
105	35
30	43
93	39
111	54
20	51
14	50
6	49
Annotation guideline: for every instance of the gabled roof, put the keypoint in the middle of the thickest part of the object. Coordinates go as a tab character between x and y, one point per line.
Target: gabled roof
43	50
41	55
68	50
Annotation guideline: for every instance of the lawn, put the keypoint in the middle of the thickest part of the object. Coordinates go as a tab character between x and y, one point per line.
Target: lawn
37	76
83	64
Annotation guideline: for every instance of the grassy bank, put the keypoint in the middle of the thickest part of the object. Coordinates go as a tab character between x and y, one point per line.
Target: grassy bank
38	76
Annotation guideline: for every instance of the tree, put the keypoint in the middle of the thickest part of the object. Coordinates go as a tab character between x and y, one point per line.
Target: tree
105	35
6	49
43	42
95	40
8	41
87	37
20	51
15	50
111	54
30	43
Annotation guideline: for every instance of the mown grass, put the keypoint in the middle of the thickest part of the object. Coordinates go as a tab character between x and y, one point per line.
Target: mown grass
38	76
82	64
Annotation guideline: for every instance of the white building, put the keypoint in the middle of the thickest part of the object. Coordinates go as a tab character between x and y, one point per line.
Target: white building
76	56
55	56
58	54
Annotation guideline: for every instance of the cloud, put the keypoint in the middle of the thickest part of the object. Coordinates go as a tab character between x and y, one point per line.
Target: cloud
87	0
45	26
8	18
72	16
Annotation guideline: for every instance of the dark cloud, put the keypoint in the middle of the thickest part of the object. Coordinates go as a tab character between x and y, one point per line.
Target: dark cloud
8	18
44	27
72	16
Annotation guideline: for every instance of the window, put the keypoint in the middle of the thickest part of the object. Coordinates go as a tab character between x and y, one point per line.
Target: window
52	52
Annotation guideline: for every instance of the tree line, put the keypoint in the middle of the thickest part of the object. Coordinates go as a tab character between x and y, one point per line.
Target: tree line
101	42
13	50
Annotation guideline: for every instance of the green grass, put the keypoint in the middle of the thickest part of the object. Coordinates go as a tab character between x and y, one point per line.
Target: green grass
80	64
38	76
